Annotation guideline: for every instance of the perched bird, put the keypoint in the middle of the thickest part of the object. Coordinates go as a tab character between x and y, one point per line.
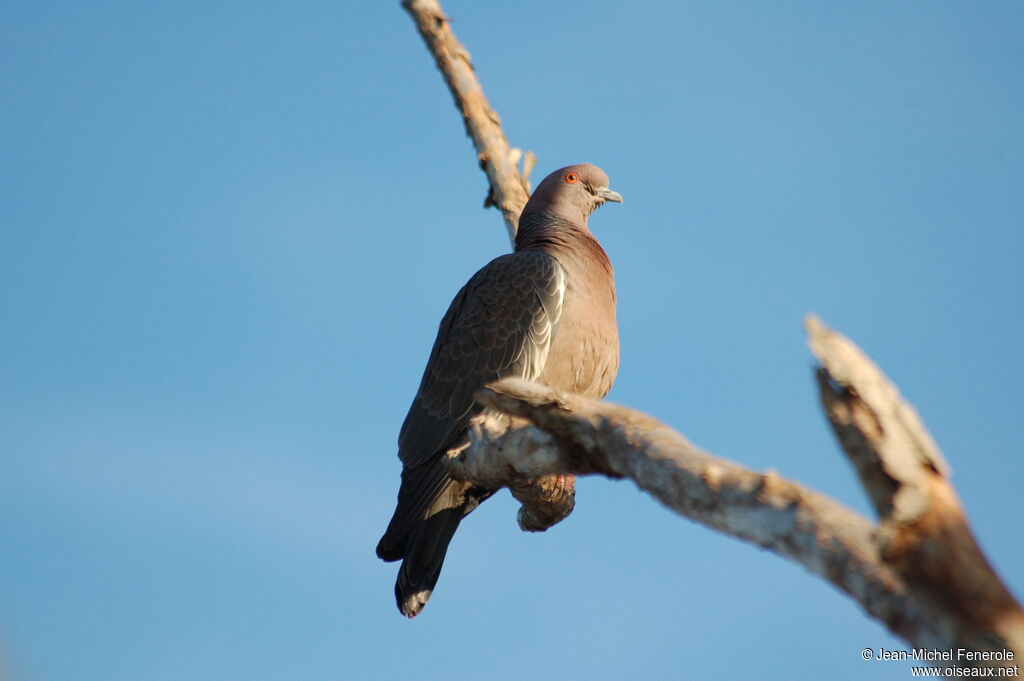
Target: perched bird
546	313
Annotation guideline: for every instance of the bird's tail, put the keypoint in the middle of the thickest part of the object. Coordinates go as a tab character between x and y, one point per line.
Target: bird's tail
426	549
422	544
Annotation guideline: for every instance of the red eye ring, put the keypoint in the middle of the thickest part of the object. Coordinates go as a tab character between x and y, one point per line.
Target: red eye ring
571	178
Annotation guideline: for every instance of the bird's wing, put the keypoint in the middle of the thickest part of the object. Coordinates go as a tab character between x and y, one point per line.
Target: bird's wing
500	324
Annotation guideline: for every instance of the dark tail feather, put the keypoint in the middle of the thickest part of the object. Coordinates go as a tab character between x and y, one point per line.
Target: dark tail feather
391	546
425	490
425	551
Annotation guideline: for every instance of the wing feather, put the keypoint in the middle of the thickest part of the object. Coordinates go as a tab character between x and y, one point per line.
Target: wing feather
500	324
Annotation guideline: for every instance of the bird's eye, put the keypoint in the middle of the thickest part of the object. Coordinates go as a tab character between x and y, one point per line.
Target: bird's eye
571	178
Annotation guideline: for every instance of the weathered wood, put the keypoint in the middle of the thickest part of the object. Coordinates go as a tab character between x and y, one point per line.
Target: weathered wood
509	189
923	533
558	434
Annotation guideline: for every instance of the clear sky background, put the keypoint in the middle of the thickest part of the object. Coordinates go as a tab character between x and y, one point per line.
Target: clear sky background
228	231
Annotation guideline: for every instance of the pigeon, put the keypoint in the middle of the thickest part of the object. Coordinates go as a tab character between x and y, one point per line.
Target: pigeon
545	313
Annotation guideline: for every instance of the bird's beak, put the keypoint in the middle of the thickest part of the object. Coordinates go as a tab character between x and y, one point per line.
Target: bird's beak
608	195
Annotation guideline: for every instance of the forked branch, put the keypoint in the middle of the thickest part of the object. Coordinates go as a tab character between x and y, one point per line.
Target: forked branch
553	434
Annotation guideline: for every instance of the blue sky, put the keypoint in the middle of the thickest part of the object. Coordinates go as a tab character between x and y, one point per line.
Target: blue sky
228	231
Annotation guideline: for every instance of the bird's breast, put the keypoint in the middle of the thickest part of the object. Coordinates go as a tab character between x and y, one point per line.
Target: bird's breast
584	355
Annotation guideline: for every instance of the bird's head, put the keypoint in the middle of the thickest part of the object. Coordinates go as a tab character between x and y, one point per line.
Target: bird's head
572	193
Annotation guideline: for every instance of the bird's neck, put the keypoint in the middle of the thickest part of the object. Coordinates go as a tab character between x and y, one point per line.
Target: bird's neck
565	240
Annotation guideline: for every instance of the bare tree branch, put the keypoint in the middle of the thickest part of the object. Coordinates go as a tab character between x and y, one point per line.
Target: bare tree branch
546	499
573	434
555	433
923	533
509	189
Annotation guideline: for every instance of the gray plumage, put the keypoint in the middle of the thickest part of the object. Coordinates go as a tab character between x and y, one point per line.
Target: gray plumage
545	312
